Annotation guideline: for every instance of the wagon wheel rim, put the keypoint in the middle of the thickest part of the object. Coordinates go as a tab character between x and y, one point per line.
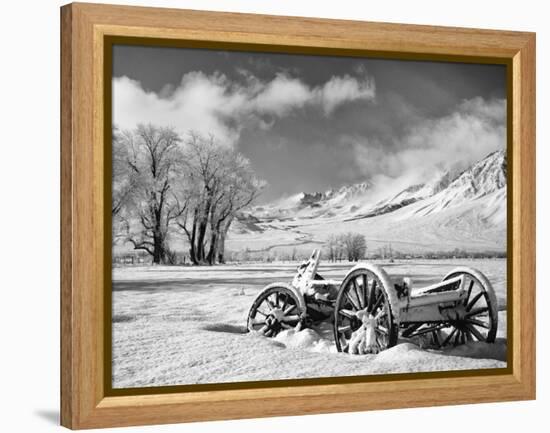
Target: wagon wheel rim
477	323
274	311
363	291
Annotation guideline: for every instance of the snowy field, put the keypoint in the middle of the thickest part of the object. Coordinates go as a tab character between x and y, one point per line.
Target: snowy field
187	325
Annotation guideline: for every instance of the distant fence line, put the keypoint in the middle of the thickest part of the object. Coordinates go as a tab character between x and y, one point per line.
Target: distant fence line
245	256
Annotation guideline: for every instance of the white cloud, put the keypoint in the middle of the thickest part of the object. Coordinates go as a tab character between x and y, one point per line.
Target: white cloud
216	105
281	95
476	128
191	106
339	90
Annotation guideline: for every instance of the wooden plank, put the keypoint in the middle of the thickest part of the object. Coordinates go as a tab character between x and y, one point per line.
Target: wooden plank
68	395
307	32
524	217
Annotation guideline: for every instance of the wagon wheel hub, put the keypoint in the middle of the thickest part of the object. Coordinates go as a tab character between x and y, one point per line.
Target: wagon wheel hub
277	314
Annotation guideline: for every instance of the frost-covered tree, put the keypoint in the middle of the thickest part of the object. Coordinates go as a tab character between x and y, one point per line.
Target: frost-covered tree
124	176
355	245
218	183
155	161
352	246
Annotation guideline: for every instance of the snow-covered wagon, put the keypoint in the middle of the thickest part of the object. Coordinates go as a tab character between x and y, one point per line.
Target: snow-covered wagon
369	311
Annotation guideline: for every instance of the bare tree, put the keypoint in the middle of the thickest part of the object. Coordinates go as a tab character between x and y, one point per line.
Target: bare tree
355	245
340	246
219	183
155	159
240	188
124	176
333	247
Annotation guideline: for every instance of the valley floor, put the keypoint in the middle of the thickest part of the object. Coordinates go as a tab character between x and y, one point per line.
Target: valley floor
187	325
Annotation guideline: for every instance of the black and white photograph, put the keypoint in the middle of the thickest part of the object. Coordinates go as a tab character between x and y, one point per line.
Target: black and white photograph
290	216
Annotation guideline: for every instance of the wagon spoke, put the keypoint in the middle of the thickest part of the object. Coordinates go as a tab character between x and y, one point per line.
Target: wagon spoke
352	302
407	332
287	319
356	291
285	303
365	288
289	309
473	301
457	338
372	294
476	312
265	304
435	337
261	312
474	331
478	323
380	314
382	330
264	329
258	322
284	325
270	303
344	328
469	292
448	338
347	313
469	336
377	303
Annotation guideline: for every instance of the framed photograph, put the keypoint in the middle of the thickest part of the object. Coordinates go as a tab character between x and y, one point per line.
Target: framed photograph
266	215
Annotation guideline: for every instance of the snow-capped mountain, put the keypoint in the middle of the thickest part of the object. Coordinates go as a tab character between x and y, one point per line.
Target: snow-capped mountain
313	204
464	209
348	192
449	190
334	197
481	179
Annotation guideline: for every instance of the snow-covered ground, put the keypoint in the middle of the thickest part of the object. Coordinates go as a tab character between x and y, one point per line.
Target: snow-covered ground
187	325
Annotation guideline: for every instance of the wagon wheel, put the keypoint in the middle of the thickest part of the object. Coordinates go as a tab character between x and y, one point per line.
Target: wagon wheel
276	308
366	289
478	317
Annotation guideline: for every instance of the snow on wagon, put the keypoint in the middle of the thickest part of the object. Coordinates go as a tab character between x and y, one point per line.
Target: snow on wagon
369	311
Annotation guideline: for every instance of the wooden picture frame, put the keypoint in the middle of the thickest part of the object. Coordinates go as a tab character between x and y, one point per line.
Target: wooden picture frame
85	398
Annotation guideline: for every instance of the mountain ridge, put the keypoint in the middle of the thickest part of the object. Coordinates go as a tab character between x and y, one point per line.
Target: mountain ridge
455	209
484	176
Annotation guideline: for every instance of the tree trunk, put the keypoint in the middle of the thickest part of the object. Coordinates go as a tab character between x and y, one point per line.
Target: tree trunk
211	257
221	240
202	227
221	248
159	250
192	246
215	238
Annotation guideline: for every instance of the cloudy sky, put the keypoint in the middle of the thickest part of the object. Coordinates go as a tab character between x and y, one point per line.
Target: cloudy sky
310	123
